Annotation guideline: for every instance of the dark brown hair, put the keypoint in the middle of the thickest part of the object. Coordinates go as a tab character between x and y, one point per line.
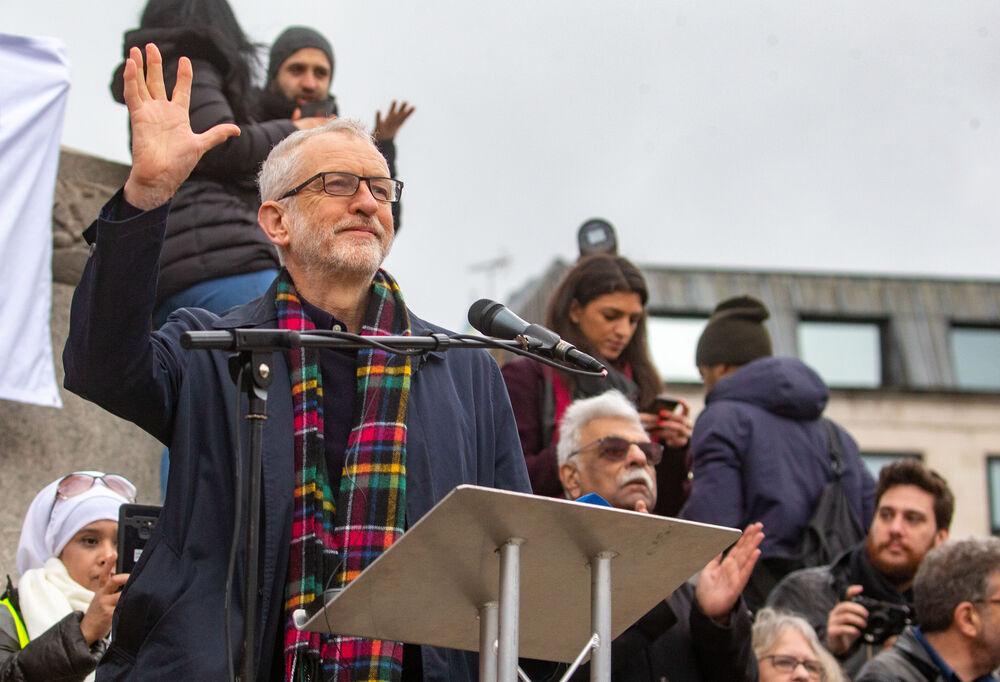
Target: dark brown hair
911	471
595	276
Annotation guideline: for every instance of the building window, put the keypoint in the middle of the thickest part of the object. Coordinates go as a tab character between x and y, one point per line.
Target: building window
672	342
993	476
976	354
846	354
876	460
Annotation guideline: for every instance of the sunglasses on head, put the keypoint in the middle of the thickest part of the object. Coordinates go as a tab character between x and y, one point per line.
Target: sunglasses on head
615	449
79	483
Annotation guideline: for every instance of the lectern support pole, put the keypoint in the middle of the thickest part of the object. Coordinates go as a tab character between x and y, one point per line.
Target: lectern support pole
600	616
488	628
510	599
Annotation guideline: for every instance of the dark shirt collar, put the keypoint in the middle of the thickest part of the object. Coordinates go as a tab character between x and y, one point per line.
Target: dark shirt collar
947	672
321	318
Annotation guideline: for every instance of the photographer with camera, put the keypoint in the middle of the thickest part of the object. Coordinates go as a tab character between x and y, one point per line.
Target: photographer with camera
860	602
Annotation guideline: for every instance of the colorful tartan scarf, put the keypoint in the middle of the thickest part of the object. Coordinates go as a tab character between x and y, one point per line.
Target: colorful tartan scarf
369	511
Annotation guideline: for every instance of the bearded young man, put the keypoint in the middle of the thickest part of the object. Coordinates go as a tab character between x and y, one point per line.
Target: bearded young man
913	511
353	441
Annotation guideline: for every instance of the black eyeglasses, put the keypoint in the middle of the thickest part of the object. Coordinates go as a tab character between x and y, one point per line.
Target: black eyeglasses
615	449
338	184
788	664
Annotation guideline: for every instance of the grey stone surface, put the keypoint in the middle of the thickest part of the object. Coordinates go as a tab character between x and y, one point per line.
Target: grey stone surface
40	444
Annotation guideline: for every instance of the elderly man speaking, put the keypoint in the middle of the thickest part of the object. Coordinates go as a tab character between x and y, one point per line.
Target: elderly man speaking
356	446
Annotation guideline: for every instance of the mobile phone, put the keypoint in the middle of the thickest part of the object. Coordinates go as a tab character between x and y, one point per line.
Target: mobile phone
135	526
660	404
324	107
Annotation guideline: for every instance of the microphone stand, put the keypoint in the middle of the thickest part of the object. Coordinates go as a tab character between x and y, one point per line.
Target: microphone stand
250	368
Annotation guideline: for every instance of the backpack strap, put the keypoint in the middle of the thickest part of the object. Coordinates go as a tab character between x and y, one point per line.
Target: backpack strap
835	449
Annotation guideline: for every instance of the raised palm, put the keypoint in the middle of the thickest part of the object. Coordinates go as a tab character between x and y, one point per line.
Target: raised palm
164	148
722	581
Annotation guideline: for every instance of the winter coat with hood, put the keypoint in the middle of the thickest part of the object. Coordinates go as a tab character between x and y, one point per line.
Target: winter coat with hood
760	453
212	230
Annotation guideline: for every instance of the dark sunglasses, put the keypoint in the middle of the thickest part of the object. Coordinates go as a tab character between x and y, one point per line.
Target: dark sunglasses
79	483
615	449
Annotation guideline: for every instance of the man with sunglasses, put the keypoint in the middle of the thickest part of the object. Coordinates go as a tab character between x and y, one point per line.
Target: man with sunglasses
702	631
352	441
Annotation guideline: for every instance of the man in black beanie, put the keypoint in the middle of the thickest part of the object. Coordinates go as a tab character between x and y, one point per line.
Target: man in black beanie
299	74
760	449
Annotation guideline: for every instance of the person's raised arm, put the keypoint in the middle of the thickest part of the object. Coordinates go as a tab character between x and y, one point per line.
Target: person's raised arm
164	148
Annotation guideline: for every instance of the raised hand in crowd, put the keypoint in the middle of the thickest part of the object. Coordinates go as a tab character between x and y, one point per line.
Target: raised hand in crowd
386	128
669	427
96	622
845	623
723	579
305	122
164	148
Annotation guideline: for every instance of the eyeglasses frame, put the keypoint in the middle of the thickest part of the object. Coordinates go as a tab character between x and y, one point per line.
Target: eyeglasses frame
365	178
599	441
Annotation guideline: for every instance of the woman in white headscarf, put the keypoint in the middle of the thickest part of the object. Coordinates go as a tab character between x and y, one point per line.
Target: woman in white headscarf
55	624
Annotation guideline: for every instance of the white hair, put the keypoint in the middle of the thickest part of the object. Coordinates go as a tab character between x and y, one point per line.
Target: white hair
278	172
770	625
582	412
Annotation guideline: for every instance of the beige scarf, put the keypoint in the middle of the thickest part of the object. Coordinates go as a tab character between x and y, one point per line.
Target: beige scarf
47	595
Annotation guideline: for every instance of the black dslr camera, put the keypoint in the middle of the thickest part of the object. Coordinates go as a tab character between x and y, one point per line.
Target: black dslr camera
885	619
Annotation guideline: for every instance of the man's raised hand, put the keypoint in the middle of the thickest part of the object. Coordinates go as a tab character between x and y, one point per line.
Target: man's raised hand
164	148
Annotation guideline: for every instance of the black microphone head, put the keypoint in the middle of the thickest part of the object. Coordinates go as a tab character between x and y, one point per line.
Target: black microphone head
495	319
480	313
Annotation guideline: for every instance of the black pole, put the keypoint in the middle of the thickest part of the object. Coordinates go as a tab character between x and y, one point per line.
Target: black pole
256	373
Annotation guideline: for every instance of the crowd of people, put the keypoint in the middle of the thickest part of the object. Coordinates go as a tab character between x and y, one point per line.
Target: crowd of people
257	207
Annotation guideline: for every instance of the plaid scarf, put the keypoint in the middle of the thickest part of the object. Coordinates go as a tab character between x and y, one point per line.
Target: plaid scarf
369	511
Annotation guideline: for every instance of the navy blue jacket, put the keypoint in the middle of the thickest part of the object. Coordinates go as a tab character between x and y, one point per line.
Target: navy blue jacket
169	622
760	453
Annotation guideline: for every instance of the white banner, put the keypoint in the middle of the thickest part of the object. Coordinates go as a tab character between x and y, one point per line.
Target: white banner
34	84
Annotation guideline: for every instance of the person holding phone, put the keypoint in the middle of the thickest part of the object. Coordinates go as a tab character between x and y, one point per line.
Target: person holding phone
55	623
600	307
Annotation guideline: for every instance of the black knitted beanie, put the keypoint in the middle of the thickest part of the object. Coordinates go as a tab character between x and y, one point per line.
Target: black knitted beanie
735	333
292	40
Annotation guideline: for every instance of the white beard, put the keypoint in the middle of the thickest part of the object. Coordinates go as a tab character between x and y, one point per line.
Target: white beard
314	246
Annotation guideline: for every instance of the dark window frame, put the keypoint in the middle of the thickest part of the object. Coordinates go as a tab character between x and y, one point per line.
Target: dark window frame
991	461
890	361
958	323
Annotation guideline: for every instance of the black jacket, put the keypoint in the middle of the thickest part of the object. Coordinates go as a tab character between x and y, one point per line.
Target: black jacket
813	592
212	230
60	654
675	641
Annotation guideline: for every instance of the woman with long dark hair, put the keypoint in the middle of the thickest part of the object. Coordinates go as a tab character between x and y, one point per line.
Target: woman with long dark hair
599	307
214	255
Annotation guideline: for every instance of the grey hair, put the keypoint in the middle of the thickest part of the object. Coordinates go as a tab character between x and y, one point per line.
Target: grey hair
954	572
582	412
278	172
770	625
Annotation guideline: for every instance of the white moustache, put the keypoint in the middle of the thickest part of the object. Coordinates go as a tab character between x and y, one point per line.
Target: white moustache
371	225
635	475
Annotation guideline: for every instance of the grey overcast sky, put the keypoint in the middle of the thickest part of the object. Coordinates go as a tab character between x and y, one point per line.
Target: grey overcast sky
849	136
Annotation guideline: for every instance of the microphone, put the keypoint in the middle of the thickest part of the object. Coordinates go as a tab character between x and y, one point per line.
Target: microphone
495	319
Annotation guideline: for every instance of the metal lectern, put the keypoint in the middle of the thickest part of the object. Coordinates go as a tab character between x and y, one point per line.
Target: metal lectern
537	573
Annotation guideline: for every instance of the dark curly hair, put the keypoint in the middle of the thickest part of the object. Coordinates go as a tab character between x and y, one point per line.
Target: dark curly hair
911	471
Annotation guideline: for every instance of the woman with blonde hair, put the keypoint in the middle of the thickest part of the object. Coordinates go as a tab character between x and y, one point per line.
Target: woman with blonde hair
787	648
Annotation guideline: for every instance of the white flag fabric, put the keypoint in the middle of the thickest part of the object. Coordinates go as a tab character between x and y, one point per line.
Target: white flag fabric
34	84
